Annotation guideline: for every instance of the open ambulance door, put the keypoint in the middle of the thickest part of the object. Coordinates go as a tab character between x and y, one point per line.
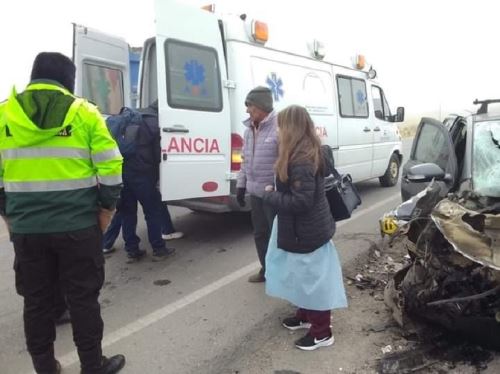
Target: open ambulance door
102	69
193	103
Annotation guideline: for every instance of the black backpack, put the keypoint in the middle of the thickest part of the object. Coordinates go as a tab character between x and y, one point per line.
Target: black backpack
124	127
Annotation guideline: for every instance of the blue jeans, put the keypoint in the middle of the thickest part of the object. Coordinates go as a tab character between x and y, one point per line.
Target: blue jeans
167	227
143	190
113	230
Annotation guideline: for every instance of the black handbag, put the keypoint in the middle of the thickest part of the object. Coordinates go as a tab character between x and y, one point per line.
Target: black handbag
342	195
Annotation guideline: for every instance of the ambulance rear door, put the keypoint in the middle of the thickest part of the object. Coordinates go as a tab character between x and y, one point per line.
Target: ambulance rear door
193	103
103	69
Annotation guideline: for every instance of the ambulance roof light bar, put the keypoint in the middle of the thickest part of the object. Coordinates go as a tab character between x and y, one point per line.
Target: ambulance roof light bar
360	63
209	8
260	31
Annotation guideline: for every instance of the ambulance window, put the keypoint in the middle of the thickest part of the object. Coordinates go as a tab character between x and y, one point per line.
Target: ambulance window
352	97
380	105
377	103
193	77
103	86
387	110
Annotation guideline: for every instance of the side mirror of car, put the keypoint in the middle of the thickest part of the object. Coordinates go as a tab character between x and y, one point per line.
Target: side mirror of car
427	172
400	114
379	114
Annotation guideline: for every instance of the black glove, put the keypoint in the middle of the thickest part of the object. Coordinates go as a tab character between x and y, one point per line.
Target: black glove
240	196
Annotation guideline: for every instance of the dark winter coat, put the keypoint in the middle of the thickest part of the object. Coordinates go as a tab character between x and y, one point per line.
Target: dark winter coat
304	219
148	157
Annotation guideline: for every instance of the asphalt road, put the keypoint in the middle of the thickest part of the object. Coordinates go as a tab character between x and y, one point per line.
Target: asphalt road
193	313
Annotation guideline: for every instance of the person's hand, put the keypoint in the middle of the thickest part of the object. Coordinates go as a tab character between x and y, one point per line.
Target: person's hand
240	196
269	188
104	217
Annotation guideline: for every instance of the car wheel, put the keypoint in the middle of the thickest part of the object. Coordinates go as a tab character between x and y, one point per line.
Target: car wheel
390	178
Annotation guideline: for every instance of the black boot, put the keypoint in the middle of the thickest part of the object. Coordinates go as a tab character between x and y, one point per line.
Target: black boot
113	364
110	365
46	364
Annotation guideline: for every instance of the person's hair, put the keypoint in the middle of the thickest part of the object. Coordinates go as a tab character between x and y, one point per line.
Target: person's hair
298	141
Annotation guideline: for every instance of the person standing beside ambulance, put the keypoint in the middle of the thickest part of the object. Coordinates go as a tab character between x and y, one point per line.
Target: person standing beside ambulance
60	177
303	266
140	179
260	151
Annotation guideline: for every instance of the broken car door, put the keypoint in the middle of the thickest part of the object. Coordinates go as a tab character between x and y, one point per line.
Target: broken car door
432	145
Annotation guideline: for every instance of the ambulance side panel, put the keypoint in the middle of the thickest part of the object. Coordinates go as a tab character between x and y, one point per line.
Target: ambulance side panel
320	87
292	80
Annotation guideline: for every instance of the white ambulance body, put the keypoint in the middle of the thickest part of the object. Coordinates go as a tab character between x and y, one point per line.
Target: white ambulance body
200	67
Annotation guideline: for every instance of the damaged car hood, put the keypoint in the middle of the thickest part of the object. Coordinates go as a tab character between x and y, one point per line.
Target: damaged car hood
474	235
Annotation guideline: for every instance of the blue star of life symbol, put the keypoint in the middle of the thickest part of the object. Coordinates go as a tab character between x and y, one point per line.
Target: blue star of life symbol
194	73
360	97
275	84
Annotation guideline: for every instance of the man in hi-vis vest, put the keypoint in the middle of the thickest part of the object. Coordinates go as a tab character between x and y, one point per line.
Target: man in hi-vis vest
60	178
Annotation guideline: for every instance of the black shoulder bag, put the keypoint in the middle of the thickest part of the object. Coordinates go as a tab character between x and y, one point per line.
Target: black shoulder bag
342	195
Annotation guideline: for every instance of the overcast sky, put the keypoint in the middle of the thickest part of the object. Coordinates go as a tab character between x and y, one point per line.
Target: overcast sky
430	55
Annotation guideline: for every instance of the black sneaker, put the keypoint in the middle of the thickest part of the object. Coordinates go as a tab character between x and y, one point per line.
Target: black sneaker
135	255
162	254
309	343
293	323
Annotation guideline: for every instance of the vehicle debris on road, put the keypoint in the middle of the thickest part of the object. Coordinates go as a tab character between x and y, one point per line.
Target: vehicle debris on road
454	277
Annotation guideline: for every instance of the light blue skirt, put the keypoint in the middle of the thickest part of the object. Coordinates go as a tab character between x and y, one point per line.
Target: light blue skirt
311	281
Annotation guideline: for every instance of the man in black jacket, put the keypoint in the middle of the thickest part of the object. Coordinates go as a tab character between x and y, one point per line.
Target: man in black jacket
140	180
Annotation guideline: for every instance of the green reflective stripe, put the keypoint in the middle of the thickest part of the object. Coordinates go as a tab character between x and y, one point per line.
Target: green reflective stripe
44	186
106	155
45	152
110	180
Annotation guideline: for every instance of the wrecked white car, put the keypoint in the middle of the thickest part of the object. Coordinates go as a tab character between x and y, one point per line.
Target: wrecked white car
453	225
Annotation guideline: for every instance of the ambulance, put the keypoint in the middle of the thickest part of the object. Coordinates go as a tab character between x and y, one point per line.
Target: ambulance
200	66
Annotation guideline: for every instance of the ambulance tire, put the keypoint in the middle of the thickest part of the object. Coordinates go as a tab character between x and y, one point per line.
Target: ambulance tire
390	178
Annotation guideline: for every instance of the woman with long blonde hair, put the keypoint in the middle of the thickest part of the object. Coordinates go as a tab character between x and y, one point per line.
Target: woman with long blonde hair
302	263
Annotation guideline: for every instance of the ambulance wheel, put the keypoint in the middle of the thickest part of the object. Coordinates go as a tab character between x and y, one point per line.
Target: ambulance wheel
390	178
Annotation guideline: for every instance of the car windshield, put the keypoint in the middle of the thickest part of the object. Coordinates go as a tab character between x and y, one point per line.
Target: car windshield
486	158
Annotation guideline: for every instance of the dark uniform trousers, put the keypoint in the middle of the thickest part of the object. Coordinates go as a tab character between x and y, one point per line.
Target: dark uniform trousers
75	261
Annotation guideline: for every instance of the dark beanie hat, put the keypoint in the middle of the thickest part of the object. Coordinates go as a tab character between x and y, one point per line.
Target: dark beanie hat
260	97
54	66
